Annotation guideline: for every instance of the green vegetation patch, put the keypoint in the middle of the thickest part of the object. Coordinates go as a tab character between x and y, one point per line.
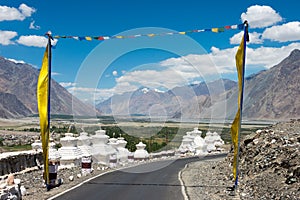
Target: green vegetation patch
17	148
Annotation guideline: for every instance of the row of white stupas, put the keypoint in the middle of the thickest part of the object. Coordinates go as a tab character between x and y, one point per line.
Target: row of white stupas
111	152
193	143
99	148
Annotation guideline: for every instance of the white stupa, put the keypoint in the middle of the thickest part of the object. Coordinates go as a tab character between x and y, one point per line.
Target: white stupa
69	152
201	146
193	143
218	142
123	153
113	142
196	132
141	153
186	145
101	151
53	152
189	140
192	135
84	143
210	141
113	159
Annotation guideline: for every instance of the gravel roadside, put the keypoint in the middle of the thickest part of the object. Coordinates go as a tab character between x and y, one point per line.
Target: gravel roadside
208	179
34	183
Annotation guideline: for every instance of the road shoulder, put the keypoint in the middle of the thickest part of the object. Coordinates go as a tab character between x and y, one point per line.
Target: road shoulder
207	179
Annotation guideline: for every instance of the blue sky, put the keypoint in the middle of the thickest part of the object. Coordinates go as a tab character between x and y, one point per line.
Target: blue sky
95	70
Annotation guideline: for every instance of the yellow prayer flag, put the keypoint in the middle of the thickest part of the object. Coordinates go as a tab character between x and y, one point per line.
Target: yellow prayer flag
234	136
88	38
215	30
42	100
239	59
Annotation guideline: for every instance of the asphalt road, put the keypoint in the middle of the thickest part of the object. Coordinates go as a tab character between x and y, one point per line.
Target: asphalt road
151	181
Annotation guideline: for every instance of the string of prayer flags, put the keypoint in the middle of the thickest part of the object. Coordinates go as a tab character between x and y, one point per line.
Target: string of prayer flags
90	38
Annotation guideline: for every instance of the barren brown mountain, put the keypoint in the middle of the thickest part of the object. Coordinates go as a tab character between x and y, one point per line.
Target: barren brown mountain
275	93
18	84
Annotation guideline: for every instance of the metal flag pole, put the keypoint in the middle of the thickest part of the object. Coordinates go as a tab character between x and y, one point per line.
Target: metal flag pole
48	108
49	73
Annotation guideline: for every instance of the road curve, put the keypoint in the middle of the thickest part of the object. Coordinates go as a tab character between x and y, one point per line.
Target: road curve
155	180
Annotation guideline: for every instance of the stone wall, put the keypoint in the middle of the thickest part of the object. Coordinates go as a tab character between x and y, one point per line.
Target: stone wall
12	162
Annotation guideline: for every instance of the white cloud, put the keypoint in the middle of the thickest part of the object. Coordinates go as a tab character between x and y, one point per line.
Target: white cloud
204	65
33	26
16	61
35	41
115	73
122	87
82	89
269	56
150	78
6	36
261	16
26	10
67	84
283	33
193	65
266	57
55	74
91	95
11	13
255	38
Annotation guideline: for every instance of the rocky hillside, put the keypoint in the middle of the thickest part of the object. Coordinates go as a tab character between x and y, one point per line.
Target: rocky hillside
274	93
11	106
18	93
270	164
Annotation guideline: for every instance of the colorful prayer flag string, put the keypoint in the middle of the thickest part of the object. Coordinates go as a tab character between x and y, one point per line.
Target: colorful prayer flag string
90	38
